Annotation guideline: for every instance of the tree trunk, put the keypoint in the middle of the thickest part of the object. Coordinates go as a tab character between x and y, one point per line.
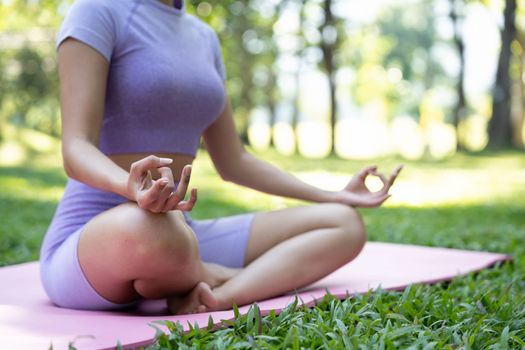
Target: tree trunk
500	126
245	74
270	100
520	92
328	49
298	72
460	107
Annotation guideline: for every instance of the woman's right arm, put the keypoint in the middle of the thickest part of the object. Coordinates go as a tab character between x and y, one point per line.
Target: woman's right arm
83	74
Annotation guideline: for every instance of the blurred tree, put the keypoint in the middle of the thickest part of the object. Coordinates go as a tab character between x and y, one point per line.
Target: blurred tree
27	32
456	14
30	85
500	126
330	42
245	32
264	75
301	47
519	89
406	38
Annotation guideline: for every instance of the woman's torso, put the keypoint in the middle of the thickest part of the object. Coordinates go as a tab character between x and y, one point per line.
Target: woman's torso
165	87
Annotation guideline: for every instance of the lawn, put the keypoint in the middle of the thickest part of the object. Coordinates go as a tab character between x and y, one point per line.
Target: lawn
470	202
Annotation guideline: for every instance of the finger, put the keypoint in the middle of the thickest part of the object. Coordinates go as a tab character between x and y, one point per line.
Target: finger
165	172
150	196
364	172
394	175
162	202
188	205
172	202
150	162
182	188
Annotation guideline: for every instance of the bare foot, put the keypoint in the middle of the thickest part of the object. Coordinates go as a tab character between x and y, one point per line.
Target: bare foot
200	299
218	274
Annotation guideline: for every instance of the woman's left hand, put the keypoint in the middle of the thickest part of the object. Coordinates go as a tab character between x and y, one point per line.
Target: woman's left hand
357	194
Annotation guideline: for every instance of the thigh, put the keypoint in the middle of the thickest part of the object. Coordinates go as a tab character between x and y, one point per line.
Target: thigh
223	240
64	281
271	228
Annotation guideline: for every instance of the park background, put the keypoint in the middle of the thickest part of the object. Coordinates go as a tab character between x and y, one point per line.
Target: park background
322	88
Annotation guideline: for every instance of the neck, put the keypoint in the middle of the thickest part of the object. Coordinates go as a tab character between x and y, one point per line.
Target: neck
176	3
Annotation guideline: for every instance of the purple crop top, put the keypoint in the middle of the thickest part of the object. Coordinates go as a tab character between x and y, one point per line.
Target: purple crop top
166	75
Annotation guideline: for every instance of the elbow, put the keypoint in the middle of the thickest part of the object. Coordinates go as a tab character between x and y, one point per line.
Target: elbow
66	163
68	160
232	170
225	174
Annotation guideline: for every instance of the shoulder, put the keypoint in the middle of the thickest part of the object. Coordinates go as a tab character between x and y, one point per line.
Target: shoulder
204	28
96	23
104	10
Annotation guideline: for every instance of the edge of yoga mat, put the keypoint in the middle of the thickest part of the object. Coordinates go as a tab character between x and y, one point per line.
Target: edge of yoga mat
33	324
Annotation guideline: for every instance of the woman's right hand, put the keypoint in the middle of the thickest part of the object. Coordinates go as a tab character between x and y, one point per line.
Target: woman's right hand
158	196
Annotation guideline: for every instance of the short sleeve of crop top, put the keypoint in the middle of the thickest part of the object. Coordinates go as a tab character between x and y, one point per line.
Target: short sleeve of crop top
98	23
91	22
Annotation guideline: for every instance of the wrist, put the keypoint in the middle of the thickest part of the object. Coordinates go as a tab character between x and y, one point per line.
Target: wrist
120	187
329	197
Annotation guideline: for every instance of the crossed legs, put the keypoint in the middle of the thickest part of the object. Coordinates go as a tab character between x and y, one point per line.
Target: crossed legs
127	253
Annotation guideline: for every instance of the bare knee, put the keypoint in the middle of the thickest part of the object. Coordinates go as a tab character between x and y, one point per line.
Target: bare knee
350	222
158	240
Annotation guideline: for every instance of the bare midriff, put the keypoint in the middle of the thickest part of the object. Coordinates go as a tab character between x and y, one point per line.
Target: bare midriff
179	161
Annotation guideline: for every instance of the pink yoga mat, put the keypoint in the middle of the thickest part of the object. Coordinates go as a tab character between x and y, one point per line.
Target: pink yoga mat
29	321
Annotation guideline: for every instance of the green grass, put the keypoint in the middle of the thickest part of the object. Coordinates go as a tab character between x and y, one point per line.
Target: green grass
470	202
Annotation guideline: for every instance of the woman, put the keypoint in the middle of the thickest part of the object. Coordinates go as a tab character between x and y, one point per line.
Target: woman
140	82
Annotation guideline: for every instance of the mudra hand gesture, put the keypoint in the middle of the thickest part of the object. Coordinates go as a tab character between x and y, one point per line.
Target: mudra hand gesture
159	196
357	194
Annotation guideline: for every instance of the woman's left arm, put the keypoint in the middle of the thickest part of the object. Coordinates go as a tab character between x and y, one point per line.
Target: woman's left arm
236	165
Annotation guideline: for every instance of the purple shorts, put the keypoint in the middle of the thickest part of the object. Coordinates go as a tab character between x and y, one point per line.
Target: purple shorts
222	241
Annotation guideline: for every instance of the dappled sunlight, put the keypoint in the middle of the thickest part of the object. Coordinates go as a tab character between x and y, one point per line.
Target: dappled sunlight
14	186
313	139
472	133
314	97
362	138
19	143
12	154
259	134
284	138
459	187
408	138
441	140
467	181
38	141
420	188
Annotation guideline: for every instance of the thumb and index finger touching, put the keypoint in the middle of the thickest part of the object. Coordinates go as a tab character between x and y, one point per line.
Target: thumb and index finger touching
142	169
387	182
